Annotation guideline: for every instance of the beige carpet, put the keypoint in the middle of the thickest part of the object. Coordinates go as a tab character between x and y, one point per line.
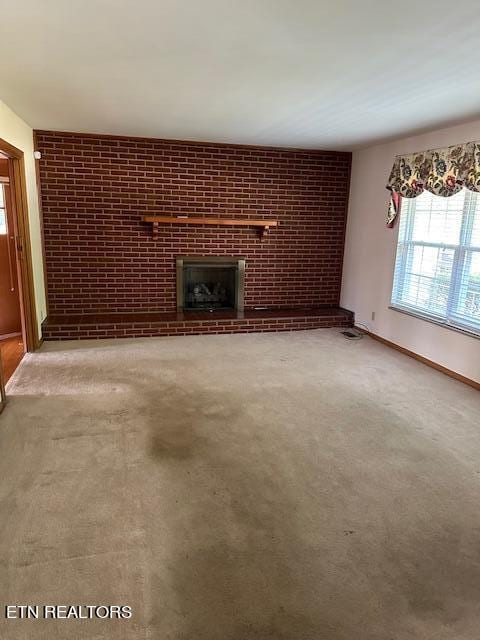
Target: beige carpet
293	486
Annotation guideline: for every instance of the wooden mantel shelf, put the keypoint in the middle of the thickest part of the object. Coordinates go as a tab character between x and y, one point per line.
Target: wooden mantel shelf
262	225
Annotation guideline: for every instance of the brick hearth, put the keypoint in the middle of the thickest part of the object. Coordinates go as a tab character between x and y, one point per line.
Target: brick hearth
135	325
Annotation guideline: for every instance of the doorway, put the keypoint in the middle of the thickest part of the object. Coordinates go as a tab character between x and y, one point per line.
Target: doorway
18	323
11	339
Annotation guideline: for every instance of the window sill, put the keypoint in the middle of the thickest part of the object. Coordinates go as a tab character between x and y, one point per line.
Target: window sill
420	316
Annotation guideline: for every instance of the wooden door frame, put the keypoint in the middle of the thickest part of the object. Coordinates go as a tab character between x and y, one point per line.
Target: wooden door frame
3	397
18	188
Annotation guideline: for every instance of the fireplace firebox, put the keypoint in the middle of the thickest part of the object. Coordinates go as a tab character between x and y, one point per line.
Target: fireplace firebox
210	283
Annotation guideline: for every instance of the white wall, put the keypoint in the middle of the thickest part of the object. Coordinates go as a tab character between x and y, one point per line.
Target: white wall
17	132
370	255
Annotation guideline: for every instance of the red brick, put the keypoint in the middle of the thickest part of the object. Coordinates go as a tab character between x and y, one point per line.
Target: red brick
100	257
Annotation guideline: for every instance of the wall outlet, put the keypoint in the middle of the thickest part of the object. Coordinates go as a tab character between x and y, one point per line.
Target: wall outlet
373	316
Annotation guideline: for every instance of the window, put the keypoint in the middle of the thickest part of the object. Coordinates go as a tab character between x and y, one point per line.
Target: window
3	215
437	269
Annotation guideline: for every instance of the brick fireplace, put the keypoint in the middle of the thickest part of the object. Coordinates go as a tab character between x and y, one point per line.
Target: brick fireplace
102	260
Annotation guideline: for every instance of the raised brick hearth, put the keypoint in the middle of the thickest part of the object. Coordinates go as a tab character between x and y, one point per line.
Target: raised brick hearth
136	325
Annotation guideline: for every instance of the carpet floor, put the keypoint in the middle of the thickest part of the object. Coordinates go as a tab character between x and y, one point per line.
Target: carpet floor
288	486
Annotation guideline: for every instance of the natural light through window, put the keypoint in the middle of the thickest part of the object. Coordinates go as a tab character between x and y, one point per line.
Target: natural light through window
437	269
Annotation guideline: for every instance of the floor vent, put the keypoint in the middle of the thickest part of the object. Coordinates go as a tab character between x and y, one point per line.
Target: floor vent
351	335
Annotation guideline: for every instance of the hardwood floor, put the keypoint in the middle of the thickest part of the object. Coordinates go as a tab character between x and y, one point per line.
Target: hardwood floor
12	351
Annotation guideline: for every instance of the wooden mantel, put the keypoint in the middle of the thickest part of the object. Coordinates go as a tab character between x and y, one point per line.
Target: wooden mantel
262	225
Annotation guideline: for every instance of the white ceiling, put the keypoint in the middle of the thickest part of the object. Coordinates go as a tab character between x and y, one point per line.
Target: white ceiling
301	73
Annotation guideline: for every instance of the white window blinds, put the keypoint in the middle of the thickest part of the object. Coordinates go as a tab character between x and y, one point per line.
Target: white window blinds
437	269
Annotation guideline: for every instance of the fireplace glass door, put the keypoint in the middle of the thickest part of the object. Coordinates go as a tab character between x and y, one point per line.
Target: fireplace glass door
209	287
210	283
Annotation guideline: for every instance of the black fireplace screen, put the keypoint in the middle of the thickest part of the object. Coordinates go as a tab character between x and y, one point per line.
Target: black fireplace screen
209	286
210	282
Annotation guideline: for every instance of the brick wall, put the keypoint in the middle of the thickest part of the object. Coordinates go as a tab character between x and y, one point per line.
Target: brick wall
100	257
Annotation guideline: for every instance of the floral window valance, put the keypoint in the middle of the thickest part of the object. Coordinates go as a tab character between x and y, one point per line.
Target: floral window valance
440	171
